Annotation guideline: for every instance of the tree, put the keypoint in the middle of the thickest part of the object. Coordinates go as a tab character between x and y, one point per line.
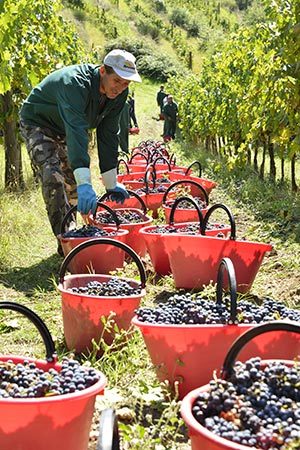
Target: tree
34	40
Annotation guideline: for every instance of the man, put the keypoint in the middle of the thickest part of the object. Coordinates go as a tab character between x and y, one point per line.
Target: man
161	94
170	112
55	121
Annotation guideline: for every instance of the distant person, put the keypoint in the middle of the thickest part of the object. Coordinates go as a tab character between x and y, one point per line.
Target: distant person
132	116
124	123
160	96
170	111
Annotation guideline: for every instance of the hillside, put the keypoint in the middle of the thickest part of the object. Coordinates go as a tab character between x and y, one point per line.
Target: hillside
181	31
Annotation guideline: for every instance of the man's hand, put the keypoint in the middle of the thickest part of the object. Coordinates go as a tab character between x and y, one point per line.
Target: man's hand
87	199
118	194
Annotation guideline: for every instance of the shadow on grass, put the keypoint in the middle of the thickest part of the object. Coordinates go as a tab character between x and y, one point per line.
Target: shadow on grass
39	276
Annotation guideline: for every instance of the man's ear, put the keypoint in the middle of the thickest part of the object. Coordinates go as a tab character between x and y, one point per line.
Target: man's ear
102	69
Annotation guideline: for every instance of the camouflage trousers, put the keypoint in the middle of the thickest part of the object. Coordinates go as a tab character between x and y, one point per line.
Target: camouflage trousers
49	159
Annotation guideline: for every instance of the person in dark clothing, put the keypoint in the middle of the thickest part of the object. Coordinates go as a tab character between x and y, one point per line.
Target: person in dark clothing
170	111
133	119
124	128
161	94
55	121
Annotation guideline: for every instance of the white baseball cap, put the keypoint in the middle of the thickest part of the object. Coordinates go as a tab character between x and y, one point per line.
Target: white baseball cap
123	63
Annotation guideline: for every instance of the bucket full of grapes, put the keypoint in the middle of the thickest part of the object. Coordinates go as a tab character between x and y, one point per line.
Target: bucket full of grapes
95	307
201	256
188	335
154	236
91	260
45	404
185	211
207	184
252	404
130	219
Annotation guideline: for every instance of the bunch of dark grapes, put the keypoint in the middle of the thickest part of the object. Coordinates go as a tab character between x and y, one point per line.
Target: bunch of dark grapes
26	380
190	229
187	205
124	217
186	309
88	231
259	406
114	287
160	188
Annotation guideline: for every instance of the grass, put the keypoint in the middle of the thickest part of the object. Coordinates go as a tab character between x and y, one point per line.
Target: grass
29	268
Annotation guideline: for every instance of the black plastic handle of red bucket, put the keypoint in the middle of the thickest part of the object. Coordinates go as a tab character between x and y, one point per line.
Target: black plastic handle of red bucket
108	431
176	183
122	160
194	163
99	241
150	170
230	216
161	158
241	341
39	324
227	264
99	204
131	193
138	154
173	160
179	200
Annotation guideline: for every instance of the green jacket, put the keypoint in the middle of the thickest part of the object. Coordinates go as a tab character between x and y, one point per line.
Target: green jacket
170	110
68	101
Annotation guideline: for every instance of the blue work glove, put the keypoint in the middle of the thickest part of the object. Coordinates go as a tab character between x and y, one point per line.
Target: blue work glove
87	199
118	194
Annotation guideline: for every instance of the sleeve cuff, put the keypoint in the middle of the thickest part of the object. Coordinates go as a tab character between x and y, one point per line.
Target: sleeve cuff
109	178
82	176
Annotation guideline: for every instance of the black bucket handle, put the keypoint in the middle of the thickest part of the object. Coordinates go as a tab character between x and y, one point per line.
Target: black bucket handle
195	163
161	158
123	161
241	341
150	171
227	264
99	241
194	183
131	194
39	324
173	160
230	216
138	154
108	431
99	204
179	200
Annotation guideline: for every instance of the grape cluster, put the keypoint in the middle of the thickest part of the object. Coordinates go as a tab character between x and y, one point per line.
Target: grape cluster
185	204
114	287
259	406
185	309
190	229
124	217
88	231
159	189
26	380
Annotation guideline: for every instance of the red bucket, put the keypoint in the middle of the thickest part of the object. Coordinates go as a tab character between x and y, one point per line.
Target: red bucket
201	437
154	236
187	355
183	214
82	314
133	239
194	260
50	422
90	260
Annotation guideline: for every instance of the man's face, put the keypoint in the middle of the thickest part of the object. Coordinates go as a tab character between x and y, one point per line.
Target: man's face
111	84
